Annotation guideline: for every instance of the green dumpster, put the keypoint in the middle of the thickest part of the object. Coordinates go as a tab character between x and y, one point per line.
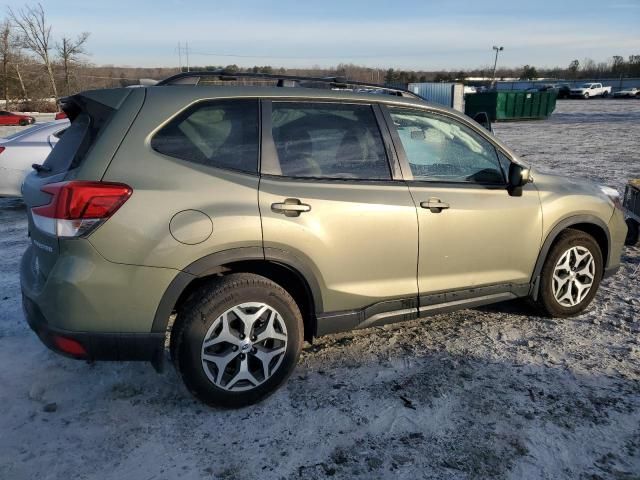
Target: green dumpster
511	105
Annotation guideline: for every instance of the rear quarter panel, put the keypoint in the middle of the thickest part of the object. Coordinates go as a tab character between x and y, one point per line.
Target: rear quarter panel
163	186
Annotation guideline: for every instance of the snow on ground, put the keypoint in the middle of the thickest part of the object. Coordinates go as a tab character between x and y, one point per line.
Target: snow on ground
494	392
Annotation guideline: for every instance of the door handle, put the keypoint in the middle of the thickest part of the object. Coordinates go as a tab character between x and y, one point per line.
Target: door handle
435	205
291	207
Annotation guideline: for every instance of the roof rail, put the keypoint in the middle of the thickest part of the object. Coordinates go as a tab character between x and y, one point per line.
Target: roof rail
336	83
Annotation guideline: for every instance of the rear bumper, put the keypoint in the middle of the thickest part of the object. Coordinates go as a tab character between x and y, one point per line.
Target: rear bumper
107	308
98	346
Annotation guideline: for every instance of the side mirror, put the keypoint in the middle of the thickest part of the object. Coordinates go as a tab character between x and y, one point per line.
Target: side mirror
483	119
519	176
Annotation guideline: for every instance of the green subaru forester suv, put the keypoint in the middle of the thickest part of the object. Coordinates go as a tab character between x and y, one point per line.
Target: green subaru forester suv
232	222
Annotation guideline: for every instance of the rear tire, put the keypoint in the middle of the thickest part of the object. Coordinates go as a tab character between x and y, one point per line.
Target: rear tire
238	339
605	94
570	275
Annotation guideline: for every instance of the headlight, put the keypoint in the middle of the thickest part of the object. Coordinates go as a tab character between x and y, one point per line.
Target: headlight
613	195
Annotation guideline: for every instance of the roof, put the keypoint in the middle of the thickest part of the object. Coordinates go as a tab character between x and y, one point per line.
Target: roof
221	77
184	95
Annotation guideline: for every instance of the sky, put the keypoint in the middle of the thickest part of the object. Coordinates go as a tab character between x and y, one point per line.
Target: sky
409	34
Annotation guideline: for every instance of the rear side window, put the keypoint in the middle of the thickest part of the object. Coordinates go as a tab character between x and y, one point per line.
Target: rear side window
222	134
328	140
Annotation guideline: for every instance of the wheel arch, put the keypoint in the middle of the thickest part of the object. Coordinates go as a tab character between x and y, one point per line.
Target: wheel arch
589	224
283	268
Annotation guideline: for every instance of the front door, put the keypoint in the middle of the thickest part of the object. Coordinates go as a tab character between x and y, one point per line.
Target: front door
472	232
328	198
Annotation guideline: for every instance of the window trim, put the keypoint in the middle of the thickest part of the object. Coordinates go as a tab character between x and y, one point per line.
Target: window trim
402	156
197	104
269	154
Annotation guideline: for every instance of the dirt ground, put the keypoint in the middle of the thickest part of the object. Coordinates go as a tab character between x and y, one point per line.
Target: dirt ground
494	392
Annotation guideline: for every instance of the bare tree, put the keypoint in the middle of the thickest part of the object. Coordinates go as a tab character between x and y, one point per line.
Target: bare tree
23	89
69	51
18	61
35	36
6	52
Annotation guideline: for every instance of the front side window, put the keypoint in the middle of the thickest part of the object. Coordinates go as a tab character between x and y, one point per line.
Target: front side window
222	134
328	140
440	149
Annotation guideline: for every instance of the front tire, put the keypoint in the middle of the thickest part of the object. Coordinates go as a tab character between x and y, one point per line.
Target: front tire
23	123
570	275
238	339
586	96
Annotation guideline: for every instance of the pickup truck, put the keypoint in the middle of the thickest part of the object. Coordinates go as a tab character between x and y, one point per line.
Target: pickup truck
589	90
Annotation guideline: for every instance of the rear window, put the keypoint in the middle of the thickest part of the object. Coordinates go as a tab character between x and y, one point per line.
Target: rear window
222	134
79	137
62	157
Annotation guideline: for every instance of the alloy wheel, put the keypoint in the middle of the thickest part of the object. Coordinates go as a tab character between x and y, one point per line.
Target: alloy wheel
244	346
573	276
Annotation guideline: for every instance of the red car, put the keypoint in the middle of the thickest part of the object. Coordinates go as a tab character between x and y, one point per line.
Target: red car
9	118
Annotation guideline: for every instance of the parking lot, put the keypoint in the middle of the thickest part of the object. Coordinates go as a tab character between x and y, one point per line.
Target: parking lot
494	392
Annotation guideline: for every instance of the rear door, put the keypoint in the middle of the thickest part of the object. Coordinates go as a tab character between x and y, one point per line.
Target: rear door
330	198
90	114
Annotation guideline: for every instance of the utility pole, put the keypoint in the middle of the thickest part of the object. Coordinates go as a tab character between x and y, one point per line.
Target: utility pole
495	64
187	51
180	56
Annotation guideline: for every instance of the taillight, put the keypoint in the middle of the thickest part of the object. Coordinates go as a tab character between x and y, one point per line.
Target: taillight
79	207
2	149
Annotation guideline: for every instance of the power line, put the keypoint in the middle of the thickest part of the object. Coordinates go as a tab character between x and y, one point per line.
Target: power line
299	57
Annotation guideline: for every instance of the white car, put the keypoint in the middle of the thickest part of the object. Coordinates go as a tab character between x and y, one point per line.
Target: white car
590	90
628	92
24	148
